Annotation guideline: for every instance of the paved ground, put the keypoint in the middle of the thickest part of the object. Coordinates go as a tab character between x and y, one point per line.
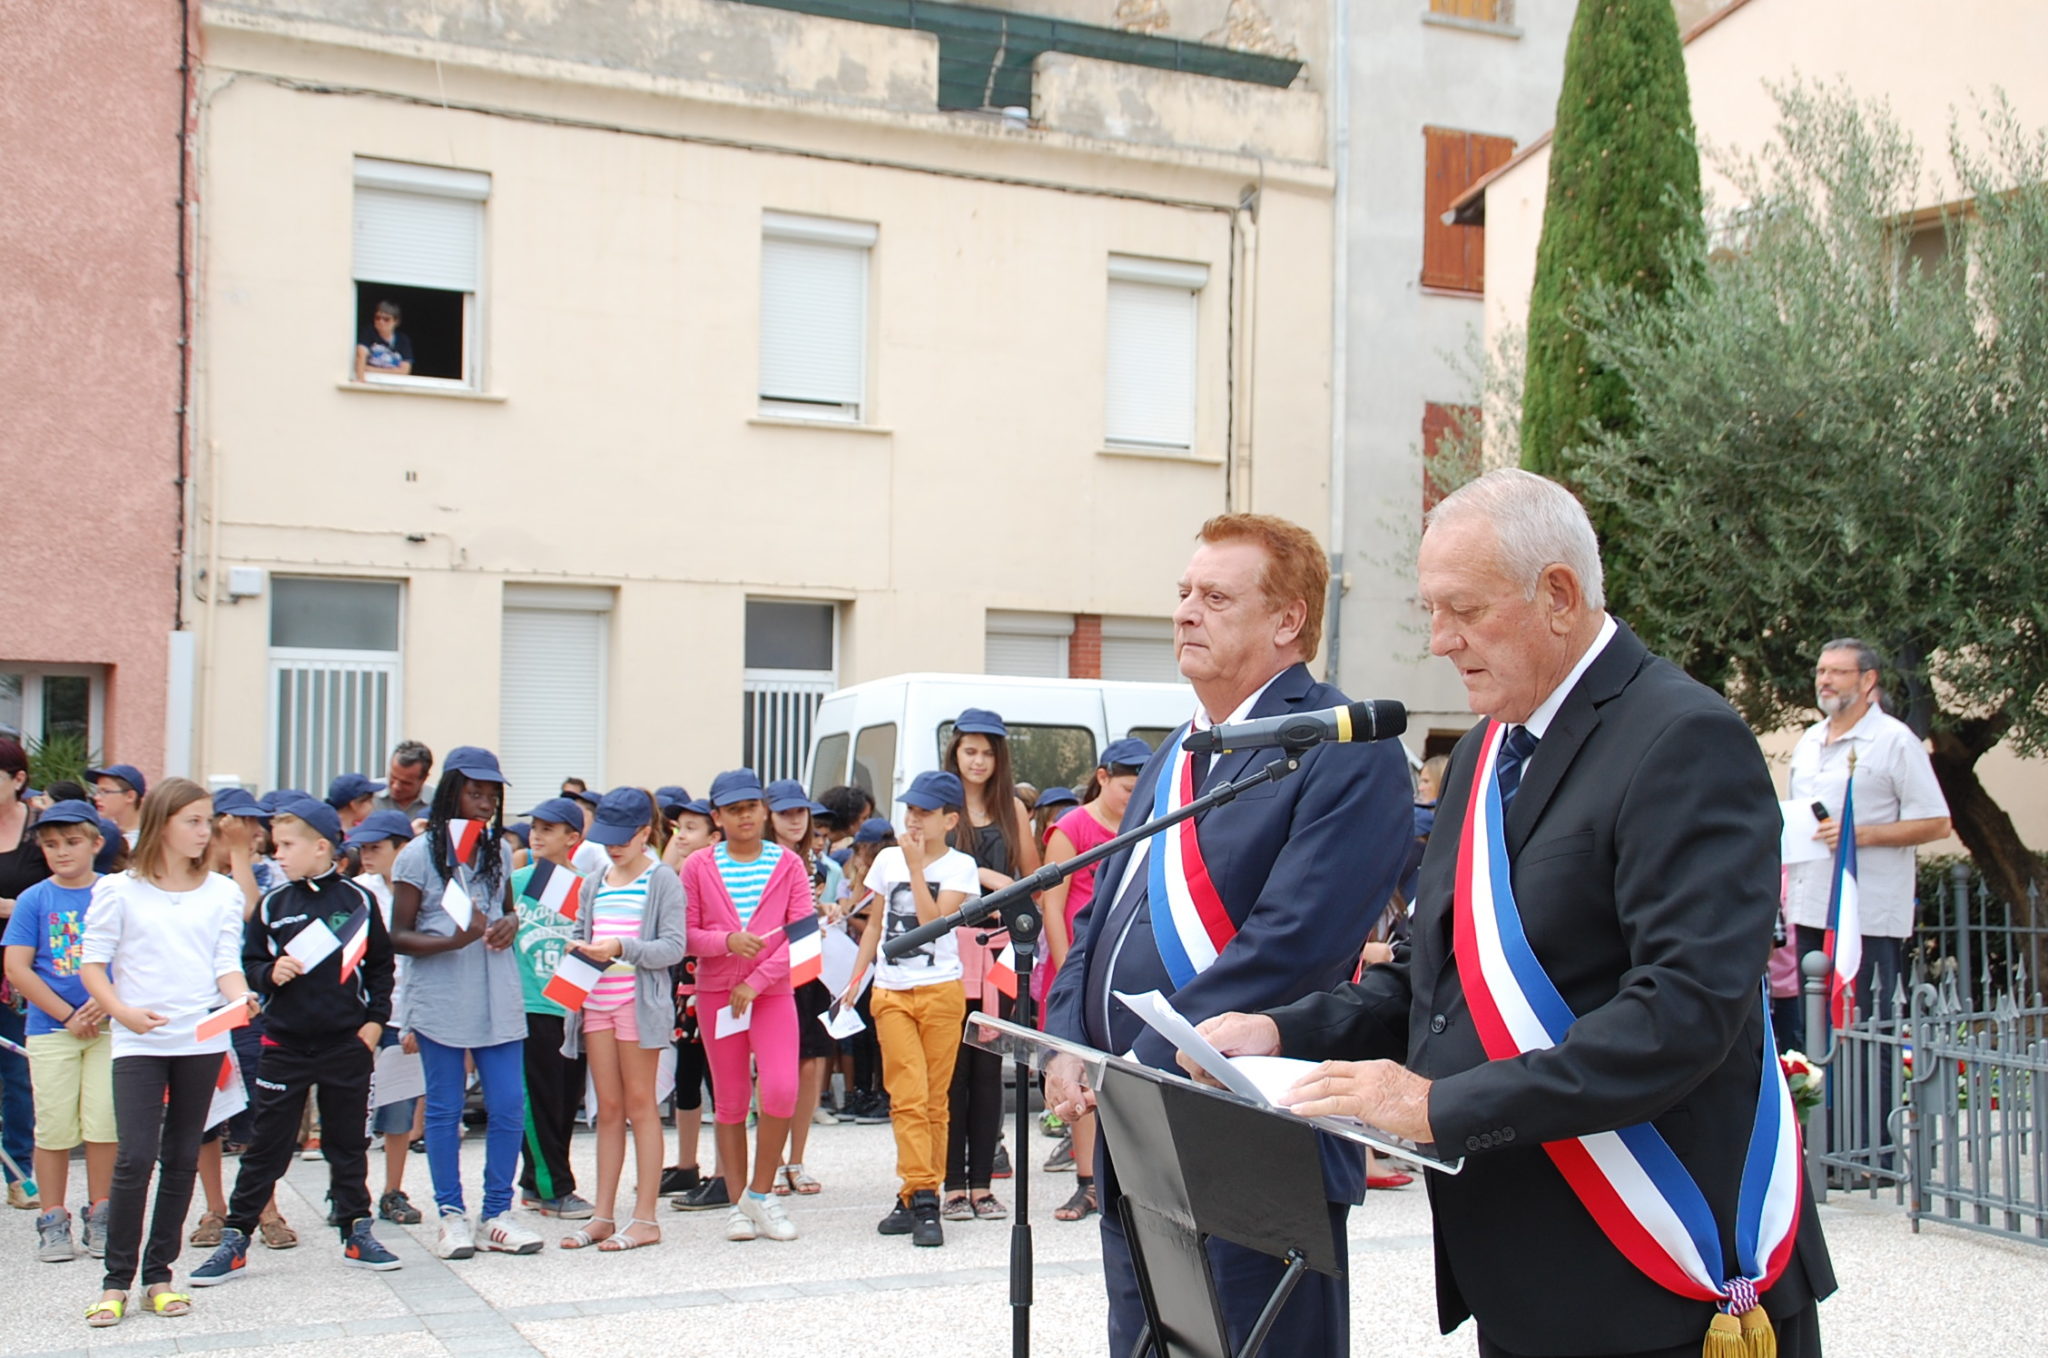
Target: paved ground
843	1288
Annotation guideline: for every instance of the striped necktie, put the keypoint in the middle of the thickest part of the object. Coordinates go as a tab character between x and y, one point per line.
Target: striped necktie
1513	758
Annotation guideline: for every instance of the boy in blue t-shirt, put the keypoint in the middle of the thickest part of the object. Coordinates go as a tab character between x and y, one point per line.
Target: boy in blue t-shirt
69	1046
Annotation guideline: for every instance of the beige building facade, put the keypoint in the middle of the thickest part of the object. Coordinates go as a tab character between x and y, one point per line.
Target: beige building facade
741	368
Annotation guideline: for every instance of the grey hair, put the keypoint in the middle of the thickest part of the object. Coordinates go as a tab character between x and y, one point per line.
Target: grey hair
1540	524
413	755
1867	662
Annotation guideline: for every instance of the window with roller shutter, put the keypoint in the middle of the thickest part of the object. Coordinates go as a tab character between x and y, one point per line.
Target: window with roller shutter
418	244
1154	311
1454	257
814	317
552	682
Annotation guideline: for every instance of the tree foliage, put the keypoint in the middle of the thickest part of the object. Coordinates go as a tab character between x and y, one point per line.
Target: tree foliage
1842	429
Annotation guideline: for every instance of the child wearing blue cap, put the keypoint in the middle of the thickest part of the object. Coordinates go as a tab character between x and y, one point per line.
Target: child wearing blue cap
791	817
690	829
554	1082
377	841
919	1007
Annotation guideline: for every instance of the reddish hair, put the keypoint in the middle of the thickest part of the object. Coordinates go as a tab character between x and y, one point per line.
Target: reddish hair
1295	567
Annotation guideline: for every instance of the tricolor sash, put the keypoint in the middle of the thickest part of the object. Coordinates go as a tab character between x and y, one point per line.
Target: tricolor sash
1189	923
1641	1196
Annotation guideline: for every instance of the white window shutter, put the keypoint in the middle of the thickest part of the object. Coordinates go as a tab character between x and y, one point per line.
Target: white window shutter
1151	378
421	240
1033	644
1139	649
814	313
551	698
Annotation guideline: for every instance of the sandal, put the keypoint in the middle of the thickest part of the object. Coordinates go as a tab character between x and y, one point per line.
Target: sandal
106	1311
583	1239
988	1207
274	1231
168	1303
957	1208
800	1181
620	1243
784	1186
207	1233
1079	1207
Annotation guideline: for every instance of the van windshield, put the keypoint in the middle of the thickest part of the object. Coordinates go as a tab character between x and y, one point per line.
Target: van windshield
1043	756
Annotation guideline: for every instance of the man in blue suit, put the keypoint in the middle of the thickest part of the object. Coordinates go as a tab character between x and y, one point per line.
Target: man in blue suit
1301	868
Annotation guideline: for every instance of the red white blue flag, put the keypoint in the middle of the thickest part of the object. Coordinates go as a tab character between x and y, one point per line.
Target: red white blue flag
1844	942
463	836
1631	1182
575	977
806	950
1189	923
1002	973
556	887
355	940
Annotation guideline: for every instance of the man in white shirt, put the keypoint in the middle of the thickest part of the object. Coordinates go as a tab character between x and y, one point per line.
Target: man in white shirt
1898	806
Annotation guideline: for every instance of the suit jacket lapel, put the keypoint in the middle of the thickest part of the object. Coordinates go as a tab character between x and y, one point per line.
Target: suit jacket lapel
1280	697
1576	721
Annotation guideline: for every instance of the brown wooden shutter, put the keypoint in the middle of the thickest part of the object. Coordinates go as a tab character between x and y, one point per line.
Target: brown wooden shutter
1454	257
1437	422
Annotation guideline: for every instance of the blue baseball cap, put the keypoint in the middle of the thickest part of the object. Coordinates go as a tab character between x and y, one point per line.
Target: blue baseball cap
873	830
274	800
979	721
557	811
474	762
326	822
671	798
736	785
584	795
70	813
348	787
1129	751
520	831
935	789
235	801
621	813
787	794
127	773
1056	796
696	806
382	825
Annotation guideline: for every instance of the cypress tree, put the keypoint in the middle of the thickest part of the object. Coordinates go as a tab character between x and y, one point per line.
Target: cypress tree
1624	194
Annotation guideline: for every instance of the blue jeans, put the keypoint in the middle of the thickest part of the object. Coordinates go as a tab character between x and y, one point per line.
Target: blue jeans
17	1101
502	1072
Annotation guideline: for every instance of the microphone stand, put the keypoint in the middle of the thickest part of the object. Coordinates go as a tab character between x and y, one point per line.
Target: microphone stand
1018	910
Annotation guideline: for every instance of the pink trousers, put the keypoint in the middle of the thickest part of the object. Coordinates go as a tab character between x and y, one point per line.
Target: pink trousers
770	1042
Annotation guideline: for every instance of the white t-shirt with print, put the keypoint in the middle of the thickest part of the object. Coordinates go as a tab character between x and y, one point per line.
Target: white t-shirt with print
889	878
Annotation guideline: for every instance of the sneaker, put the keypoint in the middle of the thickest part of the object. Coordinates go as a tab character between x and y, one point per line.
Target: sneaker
770	1221
226	1263
19	1196
1061	1161
569	1207
311	1150
456	1242
53	1237
959	1207
1002	1168
899	1221
397	1208
207	1233
1051	1123
675	1179
364	1250
506	1236
705	1197
877	1111
738	1225
93	1229
821	1116
924	1213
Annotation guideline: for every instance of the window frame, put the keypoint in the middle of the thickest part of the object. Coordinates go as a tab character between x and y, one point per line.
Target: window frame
390	663
1168	276
34	712
1466	158
837	233
432	181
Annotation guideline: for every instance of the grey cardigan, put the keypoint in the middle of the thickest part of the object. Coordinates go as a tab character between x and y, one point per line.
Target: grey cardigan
659	947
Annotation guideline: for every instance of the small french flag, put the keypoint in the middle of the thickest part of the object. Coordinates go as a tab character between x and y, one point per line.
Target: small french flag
462	838
575	977
1002	973
806	950
230	1095
355	940
555	887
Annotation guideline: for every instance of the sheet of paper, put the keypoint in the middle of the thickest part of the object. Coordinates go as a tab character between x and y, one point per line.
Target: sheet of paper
313	944
842	1020
725	1023
1274	1075
837	956
456	902
399	1076
1798	845
1160	1015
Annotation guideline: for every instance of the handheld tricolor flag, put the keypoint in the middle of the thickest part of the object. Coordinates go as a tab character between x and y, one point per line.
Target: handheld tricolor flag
355	941
575	977
1844	941
556	887
233	1014
230	1095
1002	973
806	950
463	836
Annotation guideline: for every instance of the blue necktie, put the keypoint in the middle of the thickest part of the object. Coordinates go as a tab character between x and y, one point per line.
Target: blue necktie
1513	758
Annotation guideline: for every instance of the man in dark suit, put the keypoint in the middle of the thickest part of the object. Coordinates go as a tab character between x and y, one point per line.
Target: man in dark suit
1302	867
1642	841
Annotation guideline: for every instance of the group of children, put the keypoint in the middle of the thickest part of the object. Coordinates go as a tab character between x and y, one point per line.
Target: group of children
606	930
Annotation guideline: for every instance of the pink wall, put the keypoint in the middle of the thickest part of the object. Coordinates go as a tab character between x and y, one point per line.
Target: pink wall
90	382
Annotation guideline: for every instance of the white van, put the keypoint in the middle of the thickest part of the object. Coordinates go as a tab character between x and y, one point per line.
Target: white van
881	734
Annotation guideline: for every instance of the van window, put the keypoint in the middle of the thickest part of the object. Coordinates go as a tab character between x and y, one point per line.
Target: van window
1043	756
828	768
1154	736
874	763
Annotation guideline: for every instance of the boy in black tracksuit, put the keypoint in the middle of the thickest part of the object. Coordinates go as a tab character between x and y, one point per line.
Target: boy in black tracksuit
320	1030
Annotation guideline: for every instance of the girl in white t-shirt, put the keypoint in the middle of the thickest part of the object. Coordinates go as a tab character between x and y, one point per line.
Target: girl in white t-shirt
163	947
919	1004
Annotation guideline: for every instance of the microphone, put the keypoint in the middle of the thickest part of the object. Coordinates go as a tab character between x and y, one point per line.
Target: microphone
1382	719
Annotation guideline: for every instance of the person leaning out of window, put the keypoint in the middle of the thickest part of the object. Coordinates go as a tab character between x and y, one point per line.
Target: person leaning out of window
381	349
